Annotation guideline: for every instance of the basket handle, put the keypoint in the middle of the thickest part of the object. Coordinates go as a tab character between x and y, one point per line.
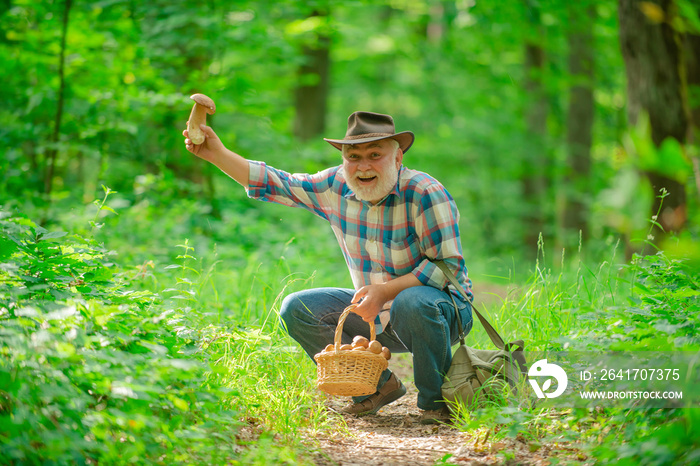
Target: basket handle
341	321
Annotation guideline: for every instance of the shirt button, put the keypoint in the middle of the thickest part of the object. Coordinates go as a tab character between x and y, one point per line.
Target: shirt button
376	268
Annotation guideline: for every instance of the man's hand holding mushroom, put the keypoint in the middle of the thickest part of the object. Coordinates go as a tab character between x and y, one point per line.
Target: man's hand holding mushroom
207	150
203	142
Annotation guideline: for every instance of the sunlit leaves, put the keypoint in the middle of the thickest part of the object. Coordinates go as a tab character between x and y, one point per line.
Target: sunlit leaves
89	378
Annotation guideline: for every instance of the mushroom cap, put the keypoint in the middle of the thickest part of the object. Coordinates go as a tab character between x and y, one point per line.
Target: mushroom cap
205	101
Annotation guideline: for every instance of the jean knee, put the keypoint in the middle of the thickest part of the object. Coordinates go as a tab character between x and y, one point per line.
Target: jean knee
408	302
410	307
288	309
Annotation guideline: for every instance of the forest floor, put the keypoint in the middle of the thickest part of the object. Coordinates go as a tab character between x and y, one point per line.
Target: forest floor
394	436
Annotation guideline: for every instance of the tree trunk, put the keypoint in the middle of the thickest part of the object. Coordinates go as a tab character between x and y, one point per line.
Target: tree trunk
535	158
692	66
5	6
311	93
579	121
440	17
53	151
655	86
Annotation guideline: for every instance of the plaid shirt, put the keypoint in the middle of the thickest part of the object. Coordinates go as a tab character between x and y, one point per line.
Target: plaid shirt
416	222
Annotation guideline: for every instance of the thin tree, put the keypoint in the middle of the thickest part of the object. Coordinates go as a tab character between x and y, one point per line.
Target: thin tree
53	150
311	92
579	129
536	112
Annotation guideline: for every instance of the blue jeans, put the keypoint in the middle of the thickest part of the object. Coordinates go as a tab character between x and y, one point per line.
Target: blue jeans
422	322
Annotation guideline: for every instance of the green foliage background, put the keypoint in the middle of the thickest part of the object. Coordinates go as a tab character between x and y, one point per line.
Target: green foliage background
130	66
141	327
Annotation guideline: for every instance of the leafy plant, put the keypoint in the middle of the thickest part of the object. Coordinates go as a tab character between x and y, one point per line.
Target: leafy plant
92	370
650	304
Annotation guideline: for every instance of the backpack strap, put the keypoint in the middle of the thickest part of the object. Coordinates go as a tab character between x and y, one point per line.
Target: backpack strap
492	333
462	335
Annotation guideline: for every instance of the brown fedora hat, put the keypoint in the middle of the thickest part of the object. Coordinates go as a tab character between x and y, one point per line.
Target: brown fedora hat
367	126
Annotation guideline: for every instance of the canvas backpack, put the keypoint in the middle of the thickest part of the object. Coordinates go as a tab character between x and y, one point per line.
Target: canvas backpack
478	376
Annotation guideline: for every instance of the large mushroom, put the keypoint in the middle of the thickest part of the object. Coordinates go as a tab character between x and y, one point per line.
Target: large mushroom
202	106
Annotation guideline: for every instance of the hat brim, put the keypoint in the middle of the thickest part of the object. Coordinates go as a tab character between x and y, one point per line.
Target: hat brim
404	138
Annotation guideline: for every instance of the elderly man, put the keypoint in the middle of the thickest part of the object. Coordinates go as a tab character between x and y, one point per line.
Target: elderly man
391	222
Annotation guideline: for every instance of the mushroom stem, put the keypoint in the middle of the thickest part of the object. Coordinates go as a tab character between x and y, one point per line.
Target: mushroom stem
197	117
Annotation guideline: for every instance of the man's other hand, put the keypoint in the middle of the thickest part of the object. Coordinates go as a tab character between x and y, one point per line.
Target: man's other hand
372	299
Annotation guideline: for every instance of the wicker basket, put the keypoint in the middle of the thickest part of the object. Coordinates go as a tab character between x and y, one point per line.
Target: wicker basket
349	373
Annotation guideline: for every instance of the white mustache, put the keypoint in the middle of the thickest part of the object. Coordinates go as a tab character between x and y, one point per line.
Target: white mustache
368	174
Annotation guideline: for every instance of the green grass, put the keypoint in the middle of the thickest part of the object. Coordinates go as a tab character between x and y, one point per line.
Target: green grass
125	342
649	304
146	364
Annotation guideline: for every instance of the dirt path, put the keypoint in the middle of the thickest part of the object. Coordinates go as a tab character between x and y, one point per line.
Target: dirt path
395	437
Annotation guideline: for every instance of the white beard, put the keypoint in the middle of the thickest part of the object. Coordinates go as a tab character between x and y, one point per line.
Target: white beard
385	184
